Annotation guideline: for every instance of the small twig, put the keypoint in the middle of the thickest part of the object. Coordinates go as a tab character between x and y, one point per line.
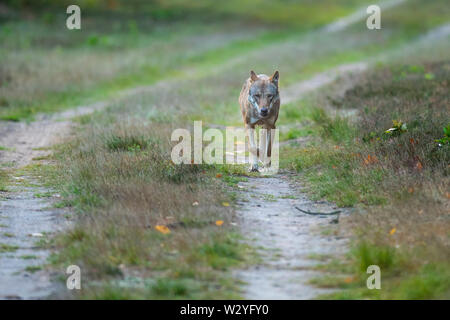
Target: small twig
319	213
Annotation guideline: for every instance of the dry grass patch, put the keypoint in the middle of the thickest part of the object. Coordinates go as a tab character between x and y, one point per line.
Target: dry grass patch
140	215
398	178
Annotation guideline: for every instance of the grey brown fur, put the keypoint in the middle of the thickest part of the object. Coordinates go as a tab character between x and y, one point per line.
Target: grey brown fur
260	103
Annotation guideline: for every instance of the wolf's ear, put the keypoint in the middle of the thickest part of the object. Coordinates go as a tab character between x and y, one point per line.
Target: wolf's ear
274	78
253	76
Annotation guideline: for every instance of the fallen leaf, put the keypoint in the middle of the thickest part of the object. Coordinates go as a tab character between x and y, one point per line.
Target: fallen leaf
392	231
370	159
348	280
225	204
219	223
419	165
162	229
219	175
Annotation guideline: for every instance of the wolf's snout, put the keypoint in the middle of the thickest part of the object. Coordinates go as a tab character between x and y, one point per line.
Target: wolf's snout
264	111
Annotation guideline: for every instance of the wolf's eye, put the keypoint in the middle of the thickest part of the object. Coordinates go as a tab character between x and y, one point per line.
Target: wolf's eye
257	95
270	96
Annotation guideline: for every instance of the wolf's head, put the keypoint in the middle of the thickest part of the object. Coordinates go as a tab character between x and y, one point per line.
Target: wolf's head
263	92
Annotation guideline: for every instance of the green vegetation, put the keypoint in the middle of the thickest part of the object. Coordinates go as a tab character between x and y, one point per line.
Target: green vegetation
399	278
303	14
7	248
28	257
145	215
401	174
119	57
359	162
44	195
33	269
131	51
3	180
8	235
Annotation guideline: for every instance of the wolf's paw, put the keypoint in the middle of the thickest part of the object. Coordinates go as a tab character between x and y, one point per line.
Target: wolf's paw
253	168
264	170
267	164
268	170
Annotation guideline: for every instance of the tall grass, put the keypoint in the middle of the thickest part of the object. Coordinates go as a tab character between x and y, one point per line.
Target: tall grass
398	179
123	185
3	180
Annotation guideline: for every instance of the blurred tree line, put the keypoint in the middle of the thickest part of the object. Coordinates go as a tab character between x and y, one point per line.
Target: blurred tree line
284	12
92	5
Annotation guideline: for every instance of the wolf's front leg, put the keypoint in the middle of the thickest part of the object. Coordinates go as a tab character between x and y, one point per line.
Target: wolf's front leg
267	136
263	146
253	150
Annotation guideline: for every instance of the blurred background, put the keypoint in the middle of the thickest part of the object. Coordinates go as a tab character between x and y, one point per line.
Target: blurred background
45	67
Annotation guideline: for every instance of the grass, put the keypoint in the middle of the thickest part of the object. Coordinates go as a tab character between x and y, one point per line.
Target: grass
52	87
28	257
3	180
399	278
8	235
302	13
44	194
128	53
33	269
7	248
124	179
359	163
400	178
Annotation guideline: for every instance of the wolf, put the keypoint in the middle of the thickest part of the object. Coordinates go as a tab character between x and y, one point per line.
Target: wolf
260	103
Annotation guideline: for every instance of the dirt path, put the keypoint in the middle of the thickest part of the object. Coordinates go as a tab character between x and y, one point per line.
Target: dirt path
27	214
287	239
26	219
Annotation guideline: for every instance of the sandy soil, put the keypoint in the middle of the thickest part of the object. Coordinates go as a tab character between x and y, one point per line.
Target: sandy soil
286	239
